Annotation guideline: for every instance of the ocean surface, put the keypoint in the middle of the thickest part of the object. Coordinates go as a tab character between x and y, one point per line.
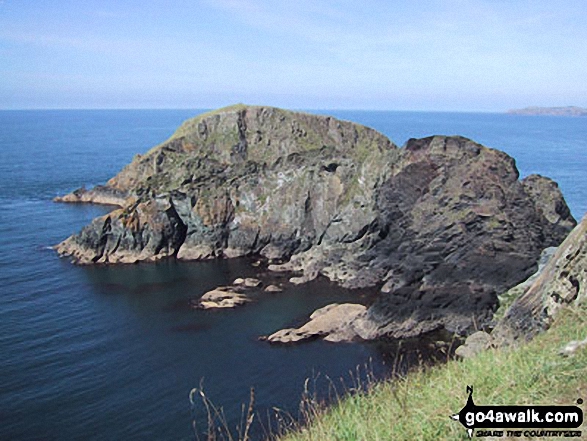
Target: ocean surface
95	353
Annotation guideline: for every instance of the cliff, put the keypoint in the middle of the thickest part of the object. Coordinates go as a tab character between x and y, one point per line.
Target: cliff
442	225
561	283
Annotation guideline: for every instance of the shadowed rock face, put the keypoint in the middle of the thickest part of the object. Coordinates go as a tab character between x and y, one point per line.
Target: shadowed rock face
441	225
562	282
461	229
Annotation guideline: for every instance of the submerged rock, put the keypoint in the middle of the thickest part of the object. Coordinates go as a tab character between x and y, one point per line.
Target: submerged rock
441	225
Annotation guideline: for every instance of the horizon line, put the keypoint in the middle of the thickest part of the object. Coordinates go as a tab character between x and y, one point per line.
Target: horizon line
341	109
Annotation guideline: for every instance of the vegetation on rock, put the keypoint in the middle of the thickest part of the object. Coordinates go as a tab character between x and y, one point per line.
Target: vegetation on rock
442	226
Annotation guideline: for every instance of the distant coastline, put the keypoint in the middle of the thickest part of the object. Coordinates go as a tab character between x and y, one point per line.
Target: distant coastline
550	111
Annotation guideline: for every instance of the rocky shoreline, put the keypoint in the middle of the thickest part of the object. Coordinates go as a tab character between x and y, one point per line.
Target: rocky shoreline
441	226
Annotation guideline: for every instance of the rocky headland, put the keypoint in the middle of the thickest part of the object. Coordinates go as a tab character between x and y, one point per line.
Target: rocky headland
550	111
440	226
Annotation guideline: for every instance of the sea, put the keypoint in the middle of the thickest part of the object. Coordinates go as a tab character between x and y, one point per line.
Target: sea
113	352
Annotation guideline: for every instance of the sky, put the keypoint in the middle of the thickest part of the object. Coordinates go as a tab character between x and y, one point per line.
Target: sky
434	55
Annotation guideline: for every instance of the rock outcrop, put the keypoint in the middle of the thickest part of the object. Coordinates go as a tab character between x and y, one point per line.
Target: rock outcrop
460	229
507	298
333	323
249	282
100	194
474	344
441	225
222	298
562	282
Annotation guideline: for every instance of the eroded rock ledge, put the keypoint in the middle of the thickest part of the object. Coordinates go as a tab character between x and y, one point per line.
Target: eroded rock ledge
442	225
100	194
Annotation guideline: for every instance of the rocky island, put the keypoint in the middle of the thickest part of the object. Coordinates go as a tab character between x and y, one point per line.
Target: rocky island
440	226
550	111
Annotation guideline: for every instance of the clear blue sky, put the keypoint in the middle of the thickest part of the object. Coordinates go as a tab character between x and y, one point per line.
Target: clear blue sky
476	55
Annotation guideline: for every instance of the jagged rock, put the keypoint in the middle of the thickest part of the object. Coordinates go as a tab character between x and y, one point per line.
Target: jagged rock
238	281
333	323
462	228
273	288
144	231
562	282
221	298
442	225
474	344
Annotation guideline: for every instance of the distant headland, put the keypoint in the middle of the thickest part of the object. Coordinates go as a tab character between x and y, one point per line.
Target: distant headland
550	111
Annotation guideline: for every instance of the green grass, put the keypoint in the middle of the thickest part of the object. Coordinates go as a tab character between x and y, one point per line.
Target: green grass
418	406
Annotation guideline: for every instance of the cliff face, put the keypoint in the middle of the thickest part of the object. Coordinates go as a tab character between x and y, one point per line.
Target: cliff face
441	225
562	282
240	181
462	229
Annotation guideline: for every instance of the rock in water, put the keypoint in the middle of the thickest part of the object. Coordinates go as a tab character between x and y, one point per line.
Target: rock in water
442	224
333	323
222	298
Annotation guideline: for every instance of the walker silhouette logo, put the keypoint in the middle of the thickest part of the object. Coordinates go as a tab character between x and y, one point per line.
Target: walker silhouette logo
520	417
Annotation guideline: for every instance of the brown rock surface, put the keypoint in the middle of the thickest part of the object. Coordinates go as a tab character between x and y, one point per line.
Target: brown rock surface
333	323
222	298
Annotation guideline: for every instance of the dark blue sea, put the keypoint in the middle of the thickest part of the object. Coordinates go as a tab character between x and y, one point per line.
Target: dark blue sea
111	353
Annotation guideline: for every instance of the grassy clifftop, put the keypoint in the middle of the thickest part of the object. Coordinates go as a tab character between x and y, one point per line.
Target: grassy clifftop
418	407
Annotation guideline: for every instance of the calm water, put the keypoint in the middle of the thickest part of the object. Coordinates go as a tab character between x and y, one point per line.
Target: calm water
112	353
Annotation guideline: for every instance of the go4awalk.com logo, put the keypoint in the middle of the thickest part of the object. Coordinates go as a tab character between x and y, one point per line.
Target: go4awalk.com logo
517	421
